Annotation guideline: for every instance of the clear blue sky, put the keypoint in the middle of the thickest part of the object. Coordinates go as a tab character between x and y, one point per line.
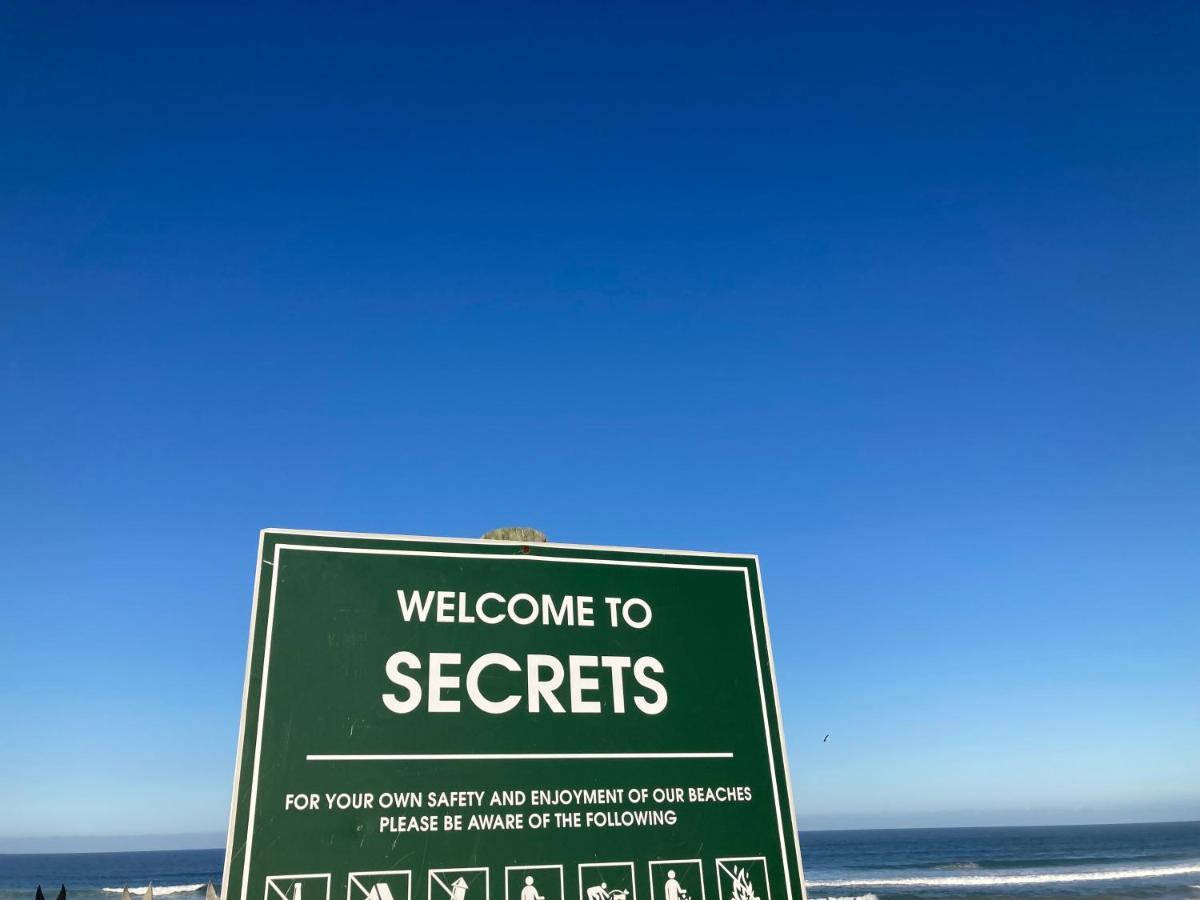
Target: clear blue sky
904	299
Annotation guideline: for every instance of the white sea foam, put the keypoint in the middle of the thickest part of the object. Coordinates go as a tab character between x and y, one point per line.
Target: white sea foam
851	897
994	880
160	890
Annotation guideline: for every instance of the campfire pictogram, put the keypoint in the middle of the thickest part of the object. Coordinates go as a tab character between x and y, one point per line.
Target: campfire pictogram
742	888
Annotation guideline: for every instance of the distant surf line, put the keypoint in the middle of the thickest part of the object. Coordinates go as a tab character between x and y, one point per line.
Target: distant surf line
995	880
160	889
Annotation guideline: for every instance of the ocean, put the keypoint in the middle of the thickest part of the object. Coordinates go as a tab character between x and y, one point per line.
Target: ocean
1087	862
179	874
1114	862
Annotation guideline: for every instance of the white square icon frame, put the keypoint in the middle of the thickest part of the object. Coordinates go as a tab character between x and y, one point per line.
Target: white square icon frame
609	865
699	864
724	869
269	885
447	892
355	879
562	887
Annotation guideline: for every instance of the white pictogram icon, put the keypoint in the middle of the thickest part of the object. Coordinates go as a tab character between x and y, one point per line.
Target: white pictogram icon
459	884
389	885
743	878
607	881
533	882
677	879
297	887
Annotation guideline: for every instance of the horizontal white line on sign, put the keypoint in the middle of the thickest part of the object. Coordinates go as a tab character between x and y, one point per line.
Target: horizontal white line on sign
368	757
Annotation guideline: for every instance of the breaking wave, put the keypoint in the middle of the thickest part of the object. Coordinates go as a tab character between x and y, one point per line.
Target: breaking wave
851	897
160	890
996	880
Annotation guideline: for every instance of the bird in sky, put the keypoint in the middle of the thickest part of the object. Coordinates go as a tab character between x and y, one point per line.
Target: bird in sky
825	739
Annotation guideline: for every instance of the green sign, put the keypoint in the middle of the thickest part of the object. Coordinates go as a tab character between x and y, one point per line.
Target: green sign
429	719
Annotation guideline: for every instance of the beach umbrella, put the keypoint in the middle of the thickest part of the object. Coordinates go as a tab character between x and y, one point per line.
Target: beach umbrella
149	895
125	895
62	893
210	893
39	895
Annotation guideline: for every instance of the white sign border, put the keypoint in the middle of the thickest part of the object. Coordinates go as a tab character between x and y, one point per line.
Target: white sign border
378	551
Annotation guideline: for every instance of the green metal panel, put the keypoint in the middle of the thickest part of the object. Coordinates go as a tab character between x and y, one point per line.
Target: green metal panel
383	757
